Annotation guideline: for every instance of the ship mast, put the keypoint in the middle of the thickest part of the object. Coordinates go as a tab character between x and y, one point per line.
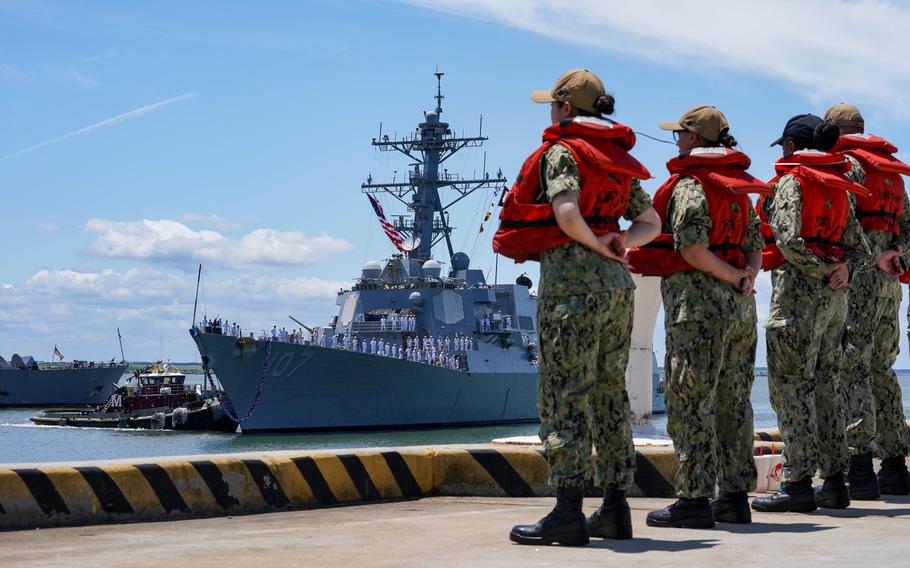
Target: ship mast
429	147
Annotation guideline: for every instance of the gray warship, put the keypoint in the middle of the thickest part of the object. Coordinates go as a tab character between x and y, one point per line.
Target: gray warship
410	346
25	382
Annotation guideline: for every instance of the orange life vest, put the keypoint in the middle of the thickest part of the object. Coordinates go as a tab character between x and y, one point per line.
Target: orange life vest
723	176
600	147
825	205
881	210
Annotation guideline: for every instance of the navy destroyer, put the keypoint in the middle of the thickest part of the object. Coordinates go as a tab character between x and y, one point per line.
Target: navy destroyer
412	345
25	382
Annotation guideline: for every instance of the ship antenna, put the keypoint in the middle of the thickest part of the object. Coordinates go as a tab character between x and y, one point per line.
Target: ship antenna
120	338
439	95
196	301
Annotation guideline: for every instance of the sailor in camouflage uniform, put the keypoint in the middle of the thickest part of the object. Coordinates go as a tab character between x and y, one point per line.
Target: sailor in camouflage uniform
821	246
872	396
708	257
584	318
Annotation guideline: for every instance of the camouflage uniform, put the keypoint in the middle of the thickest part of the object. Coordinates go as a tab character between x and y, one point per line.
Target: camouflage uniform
871	393
584	319
804	330
711	339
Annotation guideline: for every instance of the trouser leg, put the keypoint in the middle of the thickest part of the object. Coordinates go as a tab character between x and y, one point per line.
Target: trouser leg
611	421
566	374
792	355
734	422
863	319
695	354
833	452
892	437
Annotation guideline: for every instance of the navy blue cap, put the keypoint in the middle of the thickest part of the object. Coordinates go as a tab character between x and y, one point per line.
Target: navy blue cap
800	128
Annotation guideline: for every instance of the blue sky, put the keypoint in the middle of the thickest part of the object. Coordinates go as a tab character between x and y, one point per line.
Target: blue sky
139	139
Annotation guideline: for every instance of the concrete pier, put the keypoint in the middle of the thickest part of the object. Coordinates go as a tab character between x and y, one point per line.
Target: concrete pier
467	531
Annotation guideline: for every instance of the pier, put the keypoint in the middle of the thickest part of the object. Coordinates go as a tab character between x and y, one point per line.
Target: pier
468	531
442	505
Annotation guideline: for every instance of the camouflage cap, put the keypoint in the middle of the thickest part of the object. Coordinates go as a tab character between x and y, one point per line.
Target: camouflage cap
579	87
845	114
704	120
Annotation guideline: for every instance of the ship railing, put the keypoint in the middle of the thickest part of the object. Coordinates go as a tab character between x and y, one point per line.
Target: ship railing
374	327
77	365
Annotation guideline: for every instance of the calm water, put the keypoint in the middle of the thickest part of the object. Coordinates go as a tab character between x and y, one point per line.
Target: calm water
21	441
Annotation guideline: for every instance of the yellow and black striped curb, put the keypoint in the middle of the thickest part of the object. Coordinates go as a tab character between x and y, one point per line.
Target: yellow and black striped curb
94	493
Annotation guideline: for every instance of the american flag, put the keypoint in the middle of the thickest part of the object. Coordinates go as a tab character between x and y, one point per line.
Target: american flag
57	353
388	227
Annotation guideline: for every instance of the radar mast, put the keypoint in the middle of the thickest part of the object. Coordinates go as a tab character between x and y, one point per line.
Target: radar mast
431	144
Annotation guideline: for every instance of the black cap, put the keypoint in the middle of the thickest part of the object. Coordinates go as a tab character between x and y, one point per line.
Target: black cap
800	128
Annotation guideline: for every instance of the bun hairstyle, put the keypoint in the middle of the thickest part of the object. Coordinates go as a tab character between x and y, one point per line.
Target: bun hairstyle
604	103
825	136
725	139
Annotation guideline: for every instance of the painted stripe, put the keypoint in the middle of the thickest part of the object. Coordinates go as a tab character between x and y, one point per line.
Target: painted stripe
164	488
43	491
359	477
109	495
650	480
267	482
314	478
403	476
502	473
216	484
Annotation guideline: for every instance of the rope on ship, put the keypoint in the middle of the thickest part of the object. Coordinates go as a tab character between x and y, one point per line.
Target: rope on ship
227	407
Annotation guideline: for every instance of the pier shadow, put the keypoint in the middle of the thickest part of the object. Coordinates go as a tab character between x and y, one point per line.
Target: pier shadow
639	545
858	512
766	528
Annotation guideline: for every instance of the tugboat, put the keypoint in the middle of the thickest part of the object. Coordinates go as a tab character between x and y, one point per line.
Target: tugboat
160	400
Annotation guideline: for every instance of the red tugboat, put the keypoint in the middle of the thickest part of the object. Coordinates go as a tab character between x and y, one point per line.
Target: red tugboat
160	400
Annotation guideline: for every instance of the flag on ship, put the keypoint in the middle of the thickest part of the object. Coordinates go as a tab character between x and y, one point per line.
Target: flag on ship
57	353
386	225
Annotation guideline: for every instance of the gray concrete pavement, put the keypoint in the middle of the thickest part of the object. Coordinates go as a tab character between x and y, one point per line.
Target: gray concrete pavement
449	531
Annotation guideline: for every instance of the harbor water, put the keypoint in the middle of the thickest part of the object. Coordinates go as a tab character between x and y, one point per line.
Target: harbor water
23	442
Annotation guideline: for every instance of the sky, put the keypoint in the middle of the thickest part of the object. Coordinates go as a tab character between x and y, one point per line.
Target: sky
138	140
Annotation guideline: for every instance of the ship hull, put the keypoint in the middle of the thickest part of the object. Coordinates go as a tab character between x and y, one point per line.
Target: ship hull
58	387
314	388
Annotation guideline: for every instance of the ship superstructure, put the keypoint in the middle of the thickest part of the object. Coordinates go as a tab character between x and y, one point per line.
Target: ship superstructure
413	344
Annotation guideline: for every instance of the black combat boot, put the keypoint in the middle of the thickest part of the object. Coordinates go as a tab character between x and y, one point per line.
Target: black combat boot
613	519
863	482
793	497
833	493
893	477
685	513
564	525
732	507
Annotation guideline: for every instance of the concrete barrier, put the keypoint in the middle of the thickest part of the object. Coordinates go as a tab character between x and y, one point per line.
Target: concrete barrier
37	496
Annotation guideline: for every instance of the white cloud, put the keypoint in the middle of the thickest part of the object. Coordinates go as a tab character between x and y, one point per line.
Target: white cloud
152	306
49	226
828	49
172	241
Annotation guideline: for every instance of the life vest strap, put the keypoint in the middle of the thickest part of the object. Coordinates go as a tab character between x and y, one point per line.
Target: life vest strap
861	214
596	220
